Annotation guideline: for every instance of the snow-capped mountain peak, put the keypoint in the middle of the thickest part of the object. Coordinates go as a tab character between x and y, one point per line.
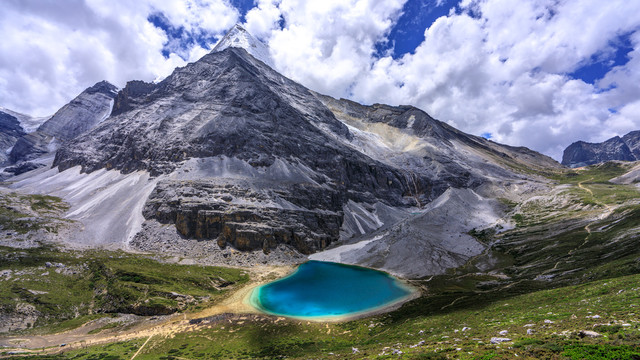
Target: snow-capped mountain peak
238	37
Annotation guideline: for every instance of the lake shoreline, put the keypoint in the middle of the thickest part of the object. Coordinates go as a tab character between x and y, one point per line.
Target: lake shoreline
252	299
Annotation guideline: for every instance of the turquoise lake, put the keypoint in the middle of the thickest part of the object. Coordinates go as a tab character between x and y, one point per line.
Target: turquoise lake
324	289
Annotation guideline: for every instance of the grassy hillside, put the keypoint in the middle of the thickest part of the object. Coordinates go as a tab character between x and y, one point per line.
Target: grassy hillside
63	285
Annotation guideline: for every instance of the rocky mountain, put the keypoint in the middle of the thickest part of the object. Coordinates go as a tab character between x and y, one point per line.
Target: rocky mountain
10	132
13	126
80	115
580	153
228	151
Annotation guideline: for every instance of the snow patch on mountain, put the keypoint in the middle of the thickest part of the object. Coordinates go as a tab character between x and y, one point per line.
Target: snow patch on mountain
107	113
238	37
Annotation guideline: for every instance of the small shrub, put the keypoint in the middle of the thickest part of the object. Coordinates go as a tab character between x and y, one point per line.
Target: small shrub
428	356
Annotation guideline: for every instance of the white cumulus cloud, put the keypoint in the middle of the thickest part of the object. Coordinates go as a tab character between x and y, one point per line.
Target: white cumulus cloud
52	50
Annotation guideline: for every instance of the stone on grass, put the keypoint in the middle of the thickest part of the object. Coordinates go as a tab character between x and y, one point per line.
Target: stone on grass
498	340
588	333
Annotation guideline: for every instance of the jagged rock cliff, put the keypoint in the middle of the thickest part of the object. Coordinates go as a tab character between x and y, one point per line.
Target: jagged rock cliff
580	153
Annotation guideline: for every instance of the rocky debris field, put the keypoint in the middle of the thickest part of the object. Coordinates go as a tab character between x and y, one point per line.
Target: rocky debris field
30	220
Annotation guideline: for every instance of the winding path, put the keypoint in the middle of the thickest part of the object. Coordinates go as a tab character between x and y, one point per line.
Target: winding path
587	228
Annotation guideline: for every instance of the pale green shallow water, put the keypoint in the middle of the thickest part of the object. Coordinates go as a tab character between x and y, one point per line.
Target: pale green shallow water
324	290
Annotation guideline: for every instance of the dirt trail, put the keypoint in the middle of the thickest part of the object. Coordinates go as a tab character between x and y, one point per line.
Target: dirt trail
141	347
587	228
585	188
235	302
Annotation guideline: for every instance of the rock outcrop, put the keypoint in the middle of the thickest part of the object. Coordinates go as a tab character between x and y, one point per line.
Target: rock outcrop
244	218
19	317
10	132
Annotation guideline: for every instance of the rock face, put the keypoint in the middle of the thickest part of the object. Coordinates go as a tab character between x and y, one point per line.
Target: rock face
23	168
23	316
10	132
209	209
80	115
248	158
28	123
580	153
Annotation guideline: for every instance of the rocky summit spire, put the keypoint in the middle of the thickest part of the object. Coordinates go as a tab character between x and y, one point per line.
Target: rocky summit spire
238	37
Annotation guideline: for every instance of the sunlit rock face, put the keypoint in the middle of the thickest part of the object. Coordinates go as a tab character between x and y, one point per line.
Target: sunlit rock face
240	38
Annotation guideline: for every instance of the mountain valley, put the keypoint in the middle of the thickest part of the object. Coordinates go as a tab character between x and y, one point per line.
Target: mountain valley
135	220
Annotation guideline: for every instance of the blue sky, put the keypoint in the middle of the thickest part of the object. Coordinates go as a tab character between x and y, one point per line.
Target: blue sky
243	7
535	73
599	64
408	32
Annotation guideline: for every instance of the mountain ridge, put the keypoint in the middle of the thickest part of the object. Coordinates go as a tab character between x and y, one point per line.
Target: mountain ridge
581	153
81	114
239	37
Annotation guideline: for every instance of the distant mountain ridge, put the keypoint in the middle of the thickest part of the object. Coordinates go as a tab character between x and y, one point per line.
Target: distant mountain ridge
581	153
